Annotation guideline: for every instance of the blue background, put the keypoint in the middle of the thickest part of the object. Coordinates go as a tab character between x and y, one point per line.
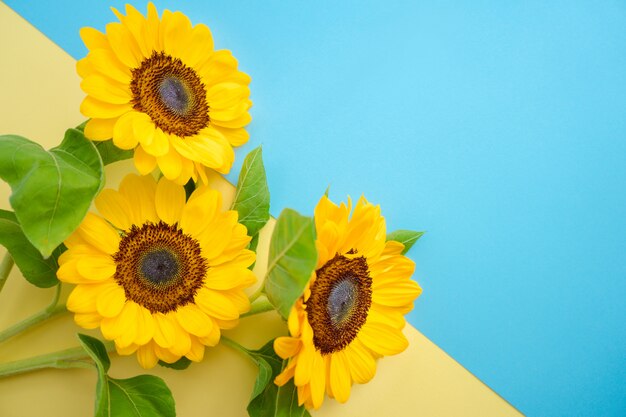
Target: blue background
498	127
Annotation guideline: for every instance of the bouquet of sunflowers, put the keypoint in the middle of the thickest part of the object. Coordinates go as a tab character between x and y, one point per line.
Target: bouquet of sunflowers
162	264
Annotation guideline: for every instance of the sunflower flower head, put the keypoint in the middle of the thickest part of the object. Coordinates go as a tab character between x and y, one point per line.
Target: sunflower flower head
156	85
158	275
352	310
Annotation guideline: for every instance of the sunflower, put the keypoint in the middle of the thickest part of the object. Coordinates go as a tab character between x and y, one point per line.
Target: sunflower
159	275
157	86
352	310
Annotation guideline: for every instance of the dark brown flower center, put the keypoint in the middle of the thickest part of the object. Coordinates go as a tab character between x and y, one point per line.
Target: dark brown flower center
171	93
159	267
340	300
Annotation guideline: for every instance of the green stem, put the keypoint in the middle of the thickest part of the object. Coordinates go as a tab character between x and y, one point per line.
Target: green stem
234	345
49	312
259	306
69	358
259	292
5	268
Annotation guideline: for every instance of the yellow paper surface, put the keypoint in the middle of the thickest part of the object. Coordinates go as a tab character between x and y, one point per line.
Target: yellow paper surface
40	100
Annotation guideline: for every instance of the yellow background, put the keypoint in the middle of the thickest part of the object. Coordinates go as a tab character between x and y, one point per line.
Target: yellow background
40	99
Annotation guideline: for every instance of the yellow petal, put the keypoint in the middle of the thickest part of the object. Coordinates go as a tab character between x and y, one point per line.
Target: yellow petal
209	148
176	29
224	96
293	321
126	350
226	278
239	122
200	46
123	135
135	23
106	63
93	38
88	320
159	145
96	268
140	192
124	45
382	339
170	164
287	373
146	356
213	338
68	273
100	129
98	109
196	353
164	331
396	295
98	233
200	210
236	137
216	235
111	300
194	320
84	67
234	254
390	316
166	355
106	89
304	366
144	162
362	364
182	341
340	377
153	40
169	201
74	240
145	326
286	347
240	299
216	304
318	380
83	298
186	172
127	322
114	208
143	128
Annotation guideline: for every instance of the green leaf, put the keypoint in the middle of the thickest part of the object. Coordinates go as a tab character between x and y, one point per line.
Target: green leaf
267	399
190	187
98	353
406	237
252	198
292	259
140	396
52	191
37	270
111	153
254	242
179	365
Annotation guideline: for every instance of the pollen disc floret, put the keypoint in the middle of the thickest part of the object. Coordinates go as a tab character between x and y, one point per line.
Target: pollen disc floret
340	299
157	274
172	94
352	310
159	267
156	85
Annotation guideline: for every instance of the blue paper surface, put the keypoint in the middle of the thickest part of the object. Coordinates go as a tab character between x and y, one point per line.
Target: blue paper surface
497	127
